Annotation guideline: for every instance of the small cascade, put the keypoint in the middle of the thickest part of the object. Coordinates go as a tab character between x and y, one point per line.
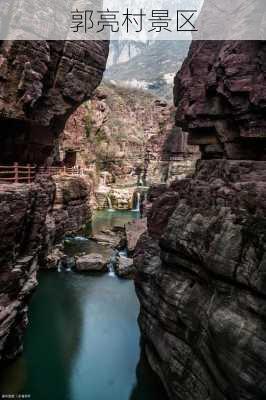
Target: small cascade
66	264
136	202
103	178
111	271
80	238
111	264
140	181
109	201
59	266
123	253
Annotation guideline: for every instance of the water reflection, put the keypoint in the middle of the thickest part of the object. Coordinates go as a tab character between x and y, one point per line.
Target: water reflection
148	385
102	221
107	220
82	343
13	377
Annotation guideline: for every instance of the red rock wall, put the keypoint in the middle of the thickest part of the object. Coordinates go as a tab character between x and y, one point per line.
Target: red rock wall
128	131
220	98
41	84
201	266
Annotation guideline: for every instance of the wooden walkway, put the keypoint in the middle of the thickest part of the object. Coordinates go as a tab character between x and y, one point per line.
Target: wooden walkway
27	173
145	158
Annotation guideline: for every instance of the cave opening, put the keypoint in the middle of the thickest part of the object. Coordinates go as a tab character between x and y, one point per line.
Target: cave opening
24	143
70	158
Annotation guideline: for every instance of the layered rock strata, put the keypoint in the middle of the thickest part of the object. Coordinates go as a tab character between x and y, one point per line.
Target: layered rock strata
201	265
41	84
34	217
24	210
124	136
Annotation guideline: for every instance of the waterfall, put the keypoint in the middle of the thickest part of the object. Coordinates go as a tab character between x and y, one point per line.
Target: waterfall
65	264
111	271
103	179
59	265
140	181
109	201
112	262
136	202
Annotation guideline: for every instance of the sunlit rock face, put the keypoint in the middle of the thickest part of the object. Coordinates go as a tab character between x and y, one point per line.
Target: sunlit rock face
126	135
201	265
41	84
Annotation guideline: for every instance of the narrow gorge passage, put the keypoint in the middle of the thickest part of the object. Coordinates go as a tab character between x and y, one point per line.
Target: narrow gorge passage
132	256
72	229
83	335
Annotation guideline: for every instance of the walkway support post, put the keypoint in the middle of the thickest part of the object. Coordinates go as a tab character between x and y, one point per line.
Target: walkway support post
29	173
16	172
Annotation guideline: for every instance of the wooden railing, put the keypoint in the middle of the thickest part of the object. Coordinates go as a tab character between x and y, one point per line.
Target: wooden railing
60	171
27	173
17	173
171	158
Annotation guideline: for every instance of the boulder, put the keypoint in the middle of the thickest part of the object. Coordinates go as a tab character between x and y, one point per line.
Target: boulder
91	262
122	198
134	230
124	267
54	258
108	238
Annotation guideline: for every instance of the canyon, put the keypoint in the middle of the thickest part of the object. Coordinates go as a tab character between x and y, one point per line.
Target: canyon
124	140
40	87
47	122
199	267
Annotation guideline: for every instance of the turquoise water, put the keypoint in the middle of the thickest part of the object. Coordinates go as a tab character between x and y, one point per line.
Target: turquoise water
108	219
102	220
83	342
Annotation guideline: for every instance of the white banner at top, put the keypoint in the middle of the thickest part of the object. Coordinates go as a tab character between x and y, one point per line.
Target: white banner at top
133	20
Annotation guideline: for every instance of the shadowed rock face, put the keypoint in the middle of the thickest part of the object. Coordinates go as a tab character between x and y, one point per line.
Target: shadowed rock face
201	265
33	218
41	84
220	98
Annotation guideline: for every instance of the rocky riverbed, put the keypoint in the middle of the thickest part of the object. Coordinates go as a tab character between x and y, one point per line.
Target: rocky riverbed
108	247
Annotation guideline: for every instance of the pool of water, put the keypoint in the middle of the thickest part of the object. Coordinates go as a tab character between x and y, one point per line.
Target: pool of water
83	341
102	220
108	219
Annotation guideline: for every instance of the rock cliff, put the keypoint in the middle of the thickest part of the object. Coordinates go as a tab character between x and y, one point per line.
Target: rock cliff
220	94
201	265
114	128
150	66
34	218
124	134
41	84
